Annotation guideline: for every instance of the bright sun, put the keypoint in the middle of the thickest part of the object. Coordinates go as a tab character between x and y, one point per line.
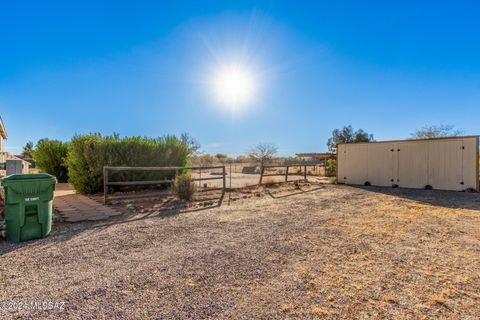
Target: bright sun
234	86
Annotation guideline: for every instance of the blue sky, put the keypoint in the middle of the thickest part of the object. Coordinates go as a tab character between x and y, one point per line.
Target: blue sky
145	67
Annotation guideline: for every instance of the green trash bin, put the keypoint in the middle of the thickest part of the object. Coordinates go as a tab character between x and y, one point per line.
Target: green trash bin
28	205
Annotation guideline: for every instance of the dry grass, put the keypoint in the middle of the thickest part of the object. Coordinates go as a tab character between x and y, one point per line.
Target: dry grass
269	181
335	252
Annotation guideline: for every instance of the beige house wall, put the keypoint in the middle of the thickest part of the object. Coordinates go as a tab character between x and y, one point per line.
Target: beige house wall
412	164
445	164
341	163
380	169
357	162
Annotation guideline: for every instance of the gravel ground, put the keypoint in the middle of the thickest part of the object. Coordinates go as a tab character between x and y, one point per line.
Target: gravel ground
328	251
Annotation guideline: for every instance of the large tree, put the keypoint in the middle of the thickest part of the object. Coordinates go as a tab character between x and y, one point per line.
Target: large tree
263	152
439	131
50	156
346	135
28	150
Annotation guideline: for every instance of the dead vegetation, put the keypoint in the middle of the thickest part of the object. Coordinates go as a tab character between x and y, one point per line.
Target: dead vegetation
294	251
184	187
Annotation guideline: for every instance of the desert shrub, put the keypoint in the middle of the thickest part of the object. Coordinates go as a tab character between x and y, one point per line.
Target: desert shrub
287	160
88	154
50	156
331	167
184	187
204	160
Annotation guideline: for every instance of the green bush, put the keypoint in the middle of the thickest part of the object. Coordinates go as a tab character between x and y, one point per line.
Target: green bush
50	156
88	154
331	167
184	187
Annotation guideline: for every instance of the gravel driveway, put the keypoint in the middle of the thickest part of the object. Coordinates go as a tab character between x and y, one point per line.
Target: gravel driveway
334	252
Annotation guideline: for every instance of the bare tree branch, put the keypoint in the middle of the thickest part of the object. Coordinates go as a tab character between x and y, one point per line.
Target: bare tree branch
263	152
438	131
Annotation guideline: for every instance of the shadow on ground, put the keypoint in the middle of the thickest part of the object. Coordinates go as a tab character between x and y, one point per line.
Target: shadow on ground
439	198
295	192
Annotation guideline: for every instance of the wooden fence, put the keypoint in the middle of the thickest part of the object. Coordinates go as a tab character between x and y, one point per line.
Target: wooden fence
286	174
107	183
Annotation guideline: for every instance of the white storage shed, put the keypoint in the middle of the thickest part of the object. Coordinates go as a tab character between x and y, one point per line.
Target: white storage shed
442	163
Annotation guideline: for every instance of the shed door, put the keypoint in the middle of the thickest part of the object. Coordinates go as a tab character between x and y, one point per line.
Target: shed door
356	163
445	164
470	163
380	164
412	170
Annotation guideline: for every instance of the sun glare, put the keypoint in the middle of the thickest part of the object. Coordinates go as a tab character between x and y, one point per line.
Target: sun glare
234	86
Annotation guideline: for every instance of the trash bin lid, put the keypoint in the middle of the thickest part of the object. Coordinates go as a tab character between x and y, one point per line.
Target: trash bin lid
33	177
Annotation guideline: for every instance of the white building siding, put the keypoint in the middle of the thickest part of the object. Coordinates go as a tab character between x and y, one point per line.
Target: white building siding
446	164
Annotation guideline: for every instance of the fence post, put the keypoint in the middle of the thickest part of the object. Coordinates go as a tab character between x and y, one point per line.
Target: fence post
174	178
105	185
200	181
286	174
224	178
305	172
262	170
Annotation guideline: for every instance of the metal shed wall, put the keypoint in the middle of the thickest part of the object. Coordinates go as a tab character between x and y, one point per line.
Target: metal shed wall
445	164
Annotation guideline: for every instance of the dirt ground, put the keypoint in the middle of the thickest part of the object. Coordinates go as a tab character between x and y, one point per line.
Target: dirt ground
306	252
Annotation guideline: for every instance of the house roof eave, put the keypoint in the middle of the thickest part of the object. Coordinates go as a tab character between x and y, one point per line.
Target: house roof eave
3	132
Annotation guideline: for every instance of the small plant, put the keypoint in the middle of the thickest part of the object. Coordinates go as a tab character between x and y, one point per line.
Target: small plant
331	167
287	308
438	300
184	187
